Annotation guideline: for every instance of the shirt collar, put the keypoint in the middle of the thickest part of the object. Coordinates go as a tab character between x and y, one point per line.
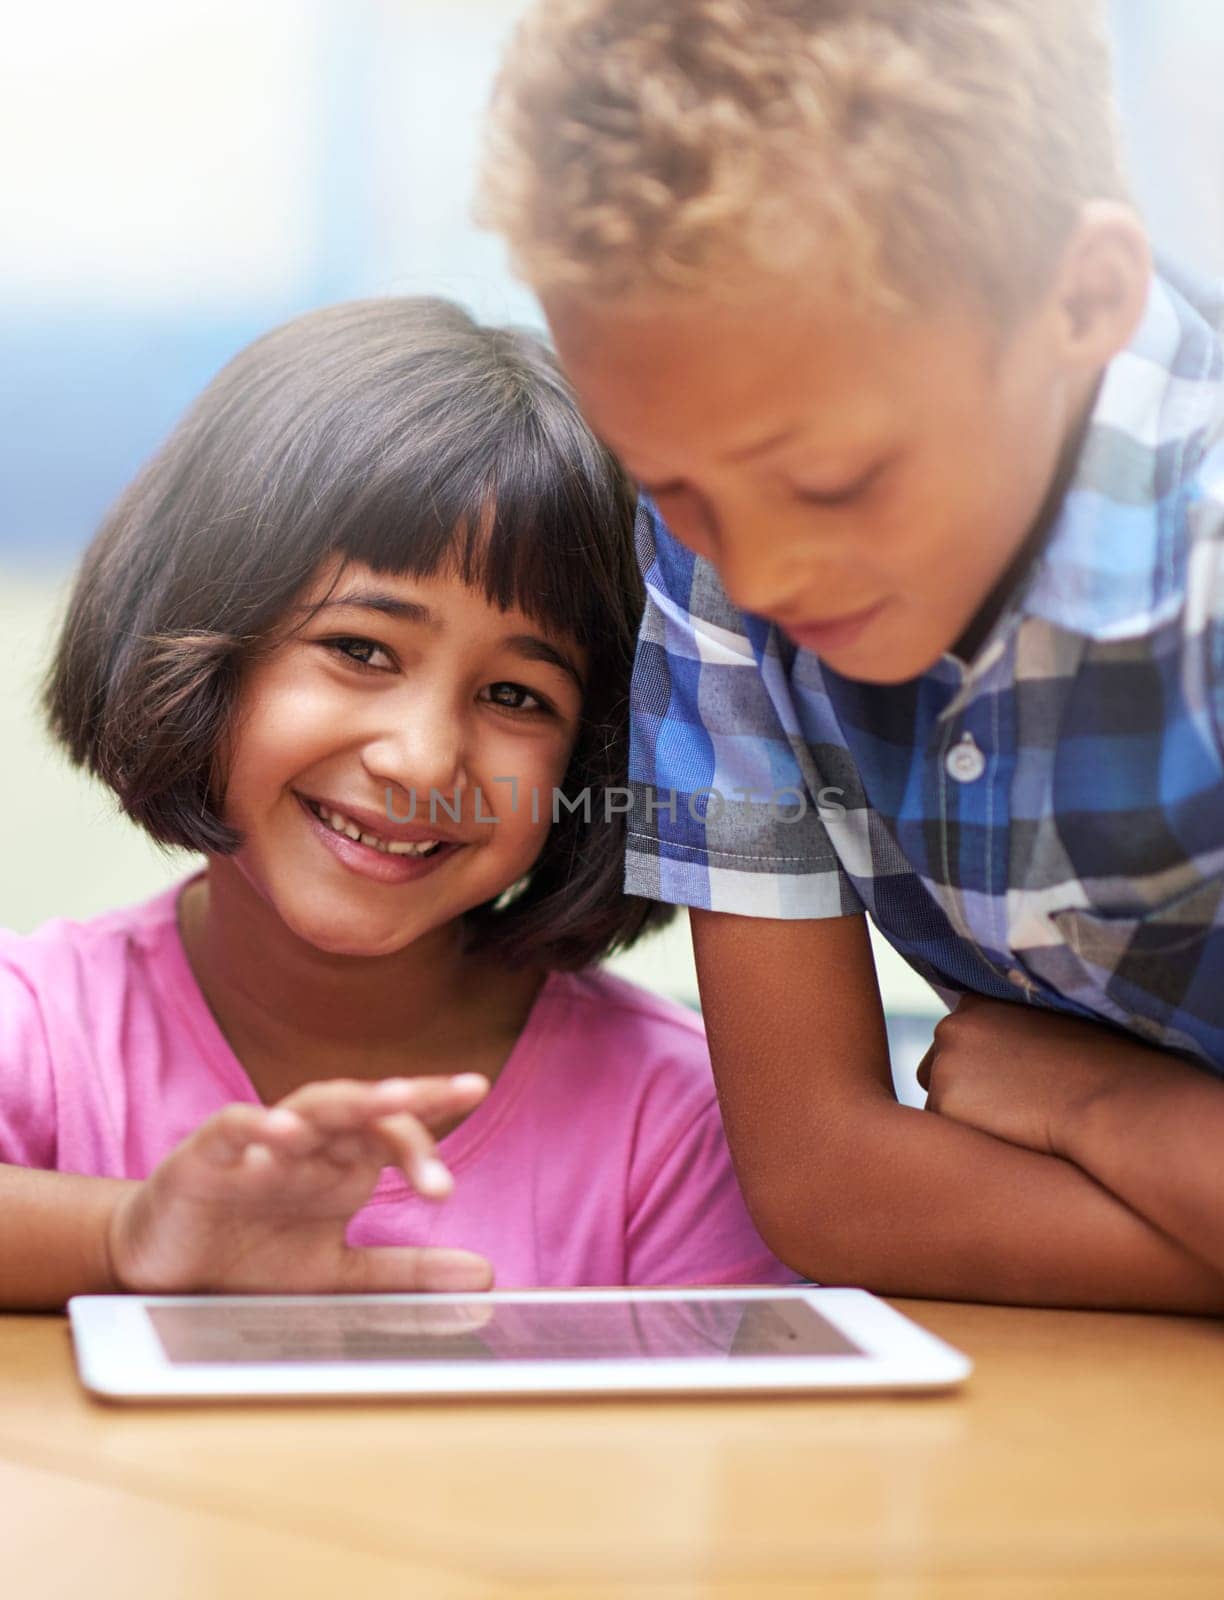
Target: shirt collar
1114	566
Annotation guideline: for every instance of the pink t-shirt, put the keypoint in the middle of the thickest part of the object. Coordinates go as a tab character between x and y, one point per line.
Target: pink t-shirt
598	1157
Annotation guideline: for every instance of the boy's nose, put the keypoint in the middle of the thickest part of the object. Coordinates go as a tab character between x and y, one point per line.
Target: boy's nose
757	580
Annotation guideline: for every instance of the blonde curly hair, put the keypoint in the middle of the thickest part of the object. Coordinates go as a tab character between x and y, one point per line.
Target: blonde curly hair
897	148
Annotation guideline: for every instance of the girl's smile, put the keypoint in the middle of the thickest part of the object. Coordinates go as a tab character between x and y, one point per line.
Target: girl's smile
372	850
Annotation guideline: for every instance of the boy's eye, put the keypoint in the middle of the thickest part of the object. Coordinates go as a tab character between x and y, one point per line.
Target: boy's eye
361	651
842	494
513	697
830	497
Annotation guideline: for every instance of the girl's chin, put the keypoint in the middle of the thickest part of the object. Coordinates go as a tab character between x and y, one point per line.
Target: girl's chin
339	935
356	951
334	921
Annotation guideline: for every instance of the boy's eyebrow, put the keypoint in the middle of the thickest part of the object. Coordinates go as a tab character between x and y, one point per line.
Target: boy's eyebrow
757	448
528	645
779	439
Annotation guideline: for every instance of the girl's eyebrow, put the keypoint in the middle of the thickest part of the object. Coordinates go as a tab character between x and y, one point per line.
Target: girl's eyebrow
389	605
528	645
533	648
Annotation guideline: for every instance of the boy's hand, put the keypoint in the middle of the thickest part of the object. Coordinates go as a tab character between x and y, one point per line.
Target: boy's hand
1023	1074
257	1200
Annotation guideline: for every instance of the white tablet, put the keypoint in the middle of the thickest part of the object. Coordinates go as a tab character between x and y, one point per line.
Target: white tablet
592	1341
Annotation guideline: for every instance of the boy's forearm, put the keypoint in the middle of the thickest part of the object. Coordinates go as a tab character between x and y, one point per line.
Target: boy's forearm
908	1204
53	1239
1174	1173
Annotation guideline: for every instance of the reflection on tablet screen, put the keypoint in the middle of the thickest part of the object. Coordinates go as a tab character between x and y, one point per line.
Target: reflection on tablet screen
483	1330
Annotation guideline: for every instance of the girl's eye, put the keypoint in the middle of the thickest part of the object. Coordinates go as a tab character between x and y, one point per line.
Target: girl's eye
360	651
513	697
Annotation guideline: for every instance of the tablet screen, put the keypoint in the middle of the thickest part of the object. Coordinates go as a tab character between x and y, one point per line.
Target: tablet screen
270	1332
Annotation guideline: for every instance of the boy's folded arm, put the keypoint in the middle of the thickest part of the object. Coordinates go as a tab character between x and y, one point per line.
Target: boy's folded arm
1174	1174
1143	1123
54	1242
847	1185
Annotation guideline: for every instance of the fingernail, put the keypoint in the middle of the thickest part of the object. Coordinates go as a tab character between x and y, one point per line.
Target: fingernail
282	1121
465	1081
434	1178
393	1087
452	1270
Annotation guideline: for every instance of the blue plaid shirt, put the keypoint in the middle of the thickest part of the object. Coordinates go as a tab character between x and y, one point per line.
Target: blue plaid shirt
1045	823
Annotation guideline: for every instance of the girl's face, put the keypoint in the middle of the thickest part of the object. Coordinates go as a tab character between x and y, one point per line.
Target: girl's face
398	690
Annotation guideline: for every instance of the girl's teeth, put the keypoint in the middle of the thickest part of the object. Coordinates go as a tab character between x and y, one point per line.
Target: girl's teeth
342	824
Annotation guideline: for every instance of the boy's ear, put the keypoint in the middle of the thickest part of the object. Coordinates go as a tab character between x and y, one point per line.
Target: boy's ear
1102	284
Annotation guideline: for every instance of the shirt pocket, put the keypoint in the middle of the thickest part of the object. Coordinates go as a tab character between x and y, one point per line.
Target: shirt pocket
1158	972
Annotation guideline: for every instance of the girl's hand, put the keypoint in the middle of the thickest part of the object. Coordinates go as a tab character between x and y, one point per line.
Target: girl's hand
257	1200
1023	1074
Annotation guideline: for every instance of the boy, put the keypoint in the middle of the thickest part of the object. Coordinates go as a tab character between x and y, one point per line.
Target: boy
937	611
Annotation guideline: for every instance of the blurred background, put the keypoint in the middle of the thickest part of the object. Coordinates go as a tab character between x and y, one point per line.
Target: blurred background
180	178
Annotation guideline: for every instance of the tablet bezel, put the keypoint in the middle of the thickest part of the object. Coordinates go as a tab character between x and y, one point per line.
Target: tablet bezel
120	1357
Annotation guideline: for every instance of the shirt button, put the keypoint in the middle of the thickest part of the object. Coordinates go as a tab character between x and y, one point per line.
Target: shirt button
1147	1029
965	762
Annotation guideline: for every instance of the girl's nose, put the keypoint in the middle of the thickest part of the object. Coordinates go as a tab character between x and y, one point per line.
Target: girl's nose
420	750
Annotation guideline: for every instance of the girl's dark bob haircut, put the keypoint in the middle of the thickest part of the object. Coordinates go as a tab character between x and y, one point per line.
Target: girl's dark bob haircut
401	434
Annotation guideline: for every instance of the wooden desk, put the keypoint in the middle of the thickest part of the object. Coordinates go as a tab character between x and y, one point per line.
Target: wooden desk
1084	1460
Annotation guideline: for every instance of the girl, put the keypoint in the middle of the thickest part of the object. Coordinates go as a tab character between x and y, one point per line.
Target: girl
368	609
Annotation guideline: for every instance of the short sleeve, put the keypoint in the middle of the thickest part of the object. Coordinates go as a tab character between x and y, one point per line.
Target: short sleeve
689	1224
27	1088
721	815
1204	612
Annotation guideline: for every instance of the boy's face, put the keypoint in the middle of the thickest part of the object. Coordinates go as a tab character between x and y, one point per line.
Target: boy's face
862	480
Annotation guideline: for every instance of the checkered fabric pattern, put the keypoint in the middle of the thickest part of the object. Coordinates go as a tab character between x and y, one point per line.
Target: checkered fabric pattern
1045	823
